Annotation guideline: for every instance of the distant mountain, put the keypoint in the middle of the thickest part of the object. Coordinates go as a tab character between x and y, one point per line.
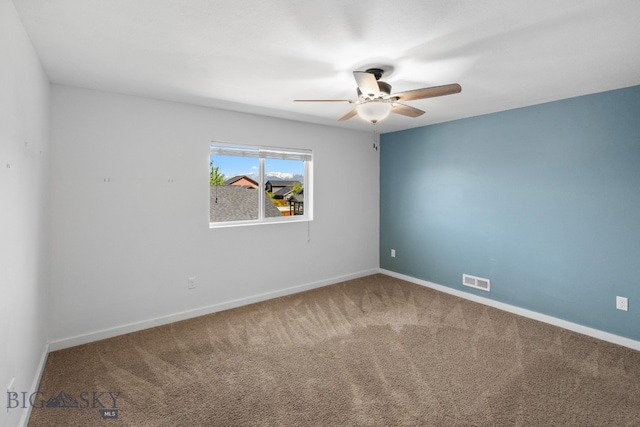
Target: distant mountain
284	176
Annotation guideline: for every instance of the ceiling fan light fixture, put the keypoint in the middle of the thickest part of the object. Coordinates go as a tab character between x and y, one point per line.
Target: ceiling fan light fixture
375	100
374	111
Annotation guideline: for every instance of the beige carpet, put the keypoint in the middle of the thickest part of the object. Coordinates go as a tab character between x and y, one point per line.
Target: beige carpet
375	351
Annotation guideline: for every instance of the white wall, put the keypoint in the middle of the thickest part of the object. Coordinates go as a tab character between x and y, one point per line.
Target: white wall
130	209
24	129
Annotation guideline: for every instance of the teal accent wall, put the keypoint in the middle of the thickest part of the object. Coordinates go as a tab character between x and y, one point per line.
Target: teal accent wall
544	201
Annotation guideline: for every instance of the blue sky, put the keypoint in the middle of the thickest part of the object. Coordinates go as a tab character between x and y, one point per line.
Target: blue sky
232	166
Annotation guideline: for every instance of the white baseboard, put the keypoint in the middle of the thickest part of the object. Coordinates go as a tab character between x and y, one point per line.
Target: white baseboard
585	330
24	420
176	317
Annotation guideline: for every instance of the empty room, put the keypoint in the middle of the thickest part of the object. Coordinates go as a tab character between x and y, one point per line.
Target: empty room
339	213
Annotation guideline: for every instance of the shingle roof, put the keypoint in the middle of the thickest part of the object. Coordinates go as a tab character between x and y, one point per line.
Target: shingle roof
237	203
283	191
282	183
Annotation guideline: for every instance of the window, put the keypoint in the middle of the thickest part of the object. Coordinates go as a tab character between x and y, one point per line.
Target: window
250	185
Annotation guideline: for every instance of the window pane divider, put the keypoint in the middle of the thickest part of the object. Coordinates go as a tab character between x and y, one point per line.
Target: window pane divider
262	194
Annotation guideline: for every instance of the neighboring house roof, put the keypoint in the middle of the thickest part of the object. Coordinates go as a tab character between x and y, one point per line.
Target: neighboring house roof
237	203
283	191
282	183
241	180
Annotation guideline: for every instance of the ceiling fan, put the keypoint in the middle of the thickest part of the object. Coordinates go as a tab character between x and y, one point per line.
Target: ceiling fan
375	100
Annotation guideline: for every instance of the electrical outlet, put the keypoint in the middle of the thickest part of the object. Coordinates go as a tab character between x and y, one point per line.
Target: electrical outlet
622	303
191	284
393	253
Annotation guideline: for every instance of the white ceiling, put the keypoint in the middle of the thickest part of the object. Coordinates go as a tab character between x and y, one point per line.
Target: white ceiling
259	55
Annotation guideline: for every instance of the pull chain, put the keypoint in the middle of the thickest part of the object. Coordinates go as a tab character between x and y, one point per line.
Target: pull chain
375	140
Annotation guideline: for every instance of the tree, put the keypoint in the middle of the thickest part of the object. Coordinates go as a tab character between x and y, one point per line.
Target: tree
215	177
296	188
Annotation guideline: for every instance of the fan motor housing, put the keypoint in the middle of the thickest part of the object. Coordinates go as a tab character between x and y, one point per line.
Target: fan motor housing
385	90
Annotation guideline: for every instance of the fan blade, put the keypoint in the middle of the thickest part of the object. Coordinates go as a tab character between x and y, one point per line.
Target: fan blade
347	116
367	83
427	92
405	110
324	100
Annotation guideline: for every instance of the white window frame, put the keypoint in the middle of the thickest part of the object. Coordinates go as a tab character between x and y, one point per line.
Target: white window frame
262	153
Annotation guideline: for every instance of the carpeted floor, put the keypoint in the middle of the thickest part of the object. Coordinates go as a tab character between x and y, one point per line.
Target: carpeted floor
376	351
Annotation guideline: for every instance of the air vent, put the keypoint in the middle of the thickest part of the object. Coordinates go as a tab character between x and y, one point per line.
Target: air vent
476	282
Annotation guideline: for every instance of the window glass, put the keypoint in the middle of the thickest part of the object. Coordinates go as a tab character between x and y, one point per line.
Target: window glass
285	185
233	199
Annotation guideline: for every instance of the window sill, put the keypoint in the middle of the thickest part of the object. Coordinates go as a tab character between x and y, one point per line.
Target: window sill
256	222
